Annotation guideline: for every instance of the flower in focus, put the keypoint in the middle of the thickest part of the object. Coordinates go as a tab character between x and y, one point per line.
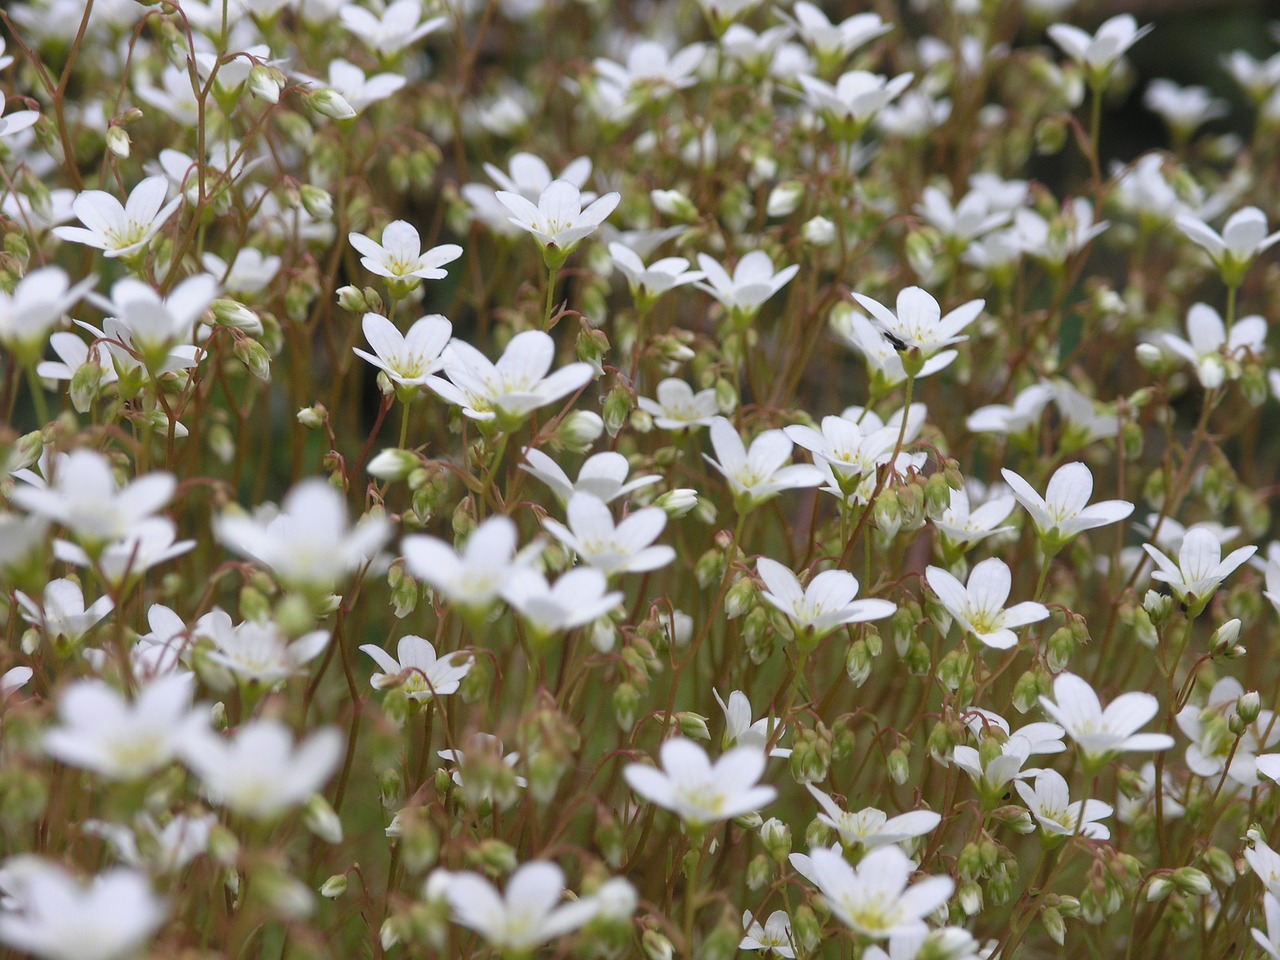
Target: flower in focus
603	476
1064	511
121	230
699	792
979	605
408	359
400	257
1101	734
558	221
578	597
918	329
760	473
1049	802
871	828
739	731
753	282
774	936
624	548
1215	353
825	604
1200	567
677	407
417	671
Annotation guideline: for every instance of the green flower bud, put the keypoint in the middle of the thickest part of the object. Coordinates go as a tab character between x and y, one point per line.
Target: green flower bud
759	872
617	408
1054	924
693	725
335	887
626	703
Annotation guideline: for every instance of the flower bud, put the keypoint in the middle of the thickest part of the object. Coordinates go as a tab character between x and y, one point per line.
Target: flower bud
351	299
970	898
677	503
254	356
317	202
266	82
759	872
1225	637
334	887
776	837
819	231
617	408
693	725
899	766
1150	357
331	104
322	820
1249	706
118	141
674	204
393	465
785	199
233	314
626	702
1054	925
578	431
1159	889
656	946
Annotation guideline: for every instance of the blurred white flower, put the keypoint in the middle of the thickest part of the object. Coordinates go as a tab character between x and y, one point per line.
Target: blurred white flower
699	792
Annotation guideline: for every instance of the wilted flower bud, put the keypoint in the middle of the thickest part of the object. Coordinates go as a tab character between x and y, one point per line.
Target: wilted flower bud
617	408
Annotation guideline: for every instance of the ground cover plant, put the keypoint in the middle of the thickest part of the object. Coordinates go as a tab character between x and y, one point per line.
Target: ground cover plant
509	478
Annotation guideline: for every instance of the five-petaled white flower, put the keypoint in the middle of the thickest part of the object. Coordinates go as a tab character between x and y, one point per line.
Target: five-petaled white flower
876	898
37	305
1050	803
849	106
651	68
602	475
1215	353
400	25
832	42
528	915
417	671
871	828
558	221
1100	734
575	599
774	936
61	613
408	359
979	604
258	771
700	792
753	282
400	257
308	541
757	474
103	732
474	578
622	548
1098	53
512	388
1214	747
918	329
121	230
740	731
825	604
257	651
47	912
1064	511
1243	238
677	407
650	282
1200	567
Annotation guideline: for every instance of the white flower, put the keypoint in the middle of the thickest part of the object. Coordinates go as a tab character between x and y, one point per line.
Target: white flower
576	599
678	408
84	498
153	541
417	671
476	577
1215	354
918	329
871	828
14	679
258	651
308	541
512	388
875	899
699	792
624	548
17	121
650	67
739	731
1243	238
1054	242
1015	749
835	41
1023	414
1182	108
1257	78
1200	567
1064	510
408	359
121	230
846	450
827	602
1214	748
854	101
529	175
1264	861
973	216
482	748
156	323
250	271
61	611
36	306
649	283
1141	188
122	740
602	475
753	281
963	524
558	221
166	850
400	255
351	91
400	25
258	772
1049	802
883	359
1098	53
527	916
979	605
47	912
774	936
1270	940
1100	734
758	474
